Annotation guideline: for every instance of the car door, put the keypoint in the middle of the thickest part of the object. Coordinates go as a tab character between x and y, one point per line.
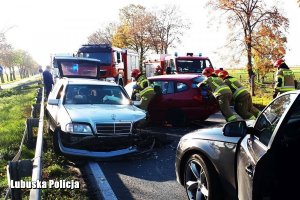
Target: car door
53	110
254	154
161	103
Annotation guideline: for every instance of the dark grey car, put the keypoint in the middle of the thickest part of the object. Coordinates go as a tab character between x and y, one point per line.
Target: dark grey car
257	160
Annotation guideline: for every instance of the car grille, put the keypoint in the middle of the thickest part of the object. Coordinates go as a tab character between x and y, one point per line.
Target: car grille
114	128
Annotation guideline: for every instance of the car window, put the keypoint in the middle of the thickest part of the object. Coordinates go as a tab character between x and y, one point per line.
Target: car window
70	68
167	87
181	87
269	119
95	94
197	80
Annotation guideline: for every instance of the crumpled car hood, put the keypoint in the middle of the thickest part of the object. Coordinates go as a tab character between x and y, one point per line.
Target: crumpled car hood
100	113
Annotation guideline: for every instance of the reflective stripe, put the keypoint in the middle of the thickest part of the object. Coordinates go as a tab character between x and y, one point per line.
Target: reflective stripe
232	80
286	88
238	92
146	90
232	118
288	73
221	88
252	117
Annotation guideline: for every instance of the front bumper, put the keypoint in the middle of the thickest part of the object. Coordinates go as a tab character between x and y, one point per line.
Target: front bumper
113	153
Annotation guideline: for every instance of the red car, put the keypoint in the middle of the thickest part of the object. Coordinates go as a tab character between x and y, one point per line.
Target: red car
181	100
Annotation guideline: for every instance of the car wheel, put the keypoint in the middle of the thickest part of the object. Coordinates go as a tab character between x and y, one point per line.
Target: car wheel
176	117
200	179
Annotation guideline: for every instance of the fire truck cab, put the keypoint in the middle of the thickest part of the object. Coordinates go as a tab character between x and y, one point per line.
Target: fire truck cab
185	64
116	63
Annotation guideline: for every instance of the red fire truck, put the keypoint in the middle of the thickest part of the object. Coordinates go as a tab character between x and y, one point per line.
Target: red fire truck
117	63
173	64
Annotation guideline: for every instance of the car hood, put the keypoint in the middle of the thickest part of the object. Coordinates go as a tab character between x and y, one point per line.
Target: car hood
104	113
213	134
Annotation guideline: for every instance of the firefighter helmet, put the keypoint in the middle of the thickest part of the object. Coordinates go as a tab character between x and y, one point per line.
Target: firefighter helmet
135	73
208	71
223	74
278	62
217	71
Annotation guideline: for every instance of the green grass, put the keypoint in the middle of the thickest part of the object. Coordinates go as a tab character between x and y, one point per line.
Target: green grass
15	107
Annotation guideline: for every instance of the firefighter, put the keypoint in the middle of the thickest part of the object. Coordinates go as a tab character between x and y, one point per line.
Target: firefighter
284	77
220	91
135	74
146	94
242	99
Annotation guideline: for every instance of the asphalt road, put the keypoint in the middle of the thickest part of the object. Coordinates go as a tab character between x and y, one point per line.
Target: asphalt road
152	176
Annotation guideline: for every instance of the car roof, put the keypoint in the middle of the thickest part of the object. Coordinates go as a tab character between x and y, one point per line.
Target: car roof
192	57
175	76
85	81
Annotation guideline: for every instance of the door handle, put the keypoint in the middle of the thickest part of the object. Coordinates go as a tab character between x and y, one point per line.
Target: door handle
249	170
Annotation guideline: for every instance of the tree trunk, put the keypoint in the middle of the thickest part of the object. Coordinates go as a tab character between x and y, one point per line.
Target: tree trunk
251	74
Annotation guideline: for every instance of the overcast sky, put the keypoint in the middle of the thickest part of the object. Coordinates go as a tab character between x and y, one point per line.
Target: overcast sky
61	26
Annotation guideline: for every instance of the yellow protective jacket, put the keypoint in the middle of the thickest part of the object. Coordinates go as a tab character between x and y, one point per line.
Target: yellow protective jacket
237	89
146	95
216	85
285	80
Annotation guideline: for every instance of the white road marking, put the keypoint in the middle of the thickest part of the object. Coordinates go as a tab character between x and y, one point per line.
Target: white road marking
102	184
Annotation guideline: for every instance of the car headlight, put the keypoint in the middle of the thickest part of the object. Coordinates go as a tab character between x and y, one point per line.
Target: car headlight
79	128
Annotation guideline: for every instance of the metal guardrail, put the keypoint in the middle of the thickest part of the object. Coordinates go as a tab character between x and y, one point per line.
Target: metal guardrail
16	168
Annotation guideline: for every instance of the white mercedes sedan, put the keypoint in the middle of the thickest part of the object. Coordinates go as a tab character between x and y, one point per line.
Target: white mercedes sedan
96	119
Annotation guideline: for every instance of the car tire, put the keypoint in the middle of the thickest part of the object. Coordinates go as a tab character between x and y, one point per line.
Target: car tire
200	178
176	117
55	143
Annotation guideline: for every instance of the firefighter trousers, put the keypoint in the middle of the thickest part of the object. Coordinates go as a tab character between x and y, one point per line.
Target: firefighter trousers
243	107
224	105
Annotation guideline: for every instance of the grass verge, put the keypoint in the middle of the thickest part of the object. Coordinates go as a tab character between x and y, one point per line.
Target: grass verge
15	107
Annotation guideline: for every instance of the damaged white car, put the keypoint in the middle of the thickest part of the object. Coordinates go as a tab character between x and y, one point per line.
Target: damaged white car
92	118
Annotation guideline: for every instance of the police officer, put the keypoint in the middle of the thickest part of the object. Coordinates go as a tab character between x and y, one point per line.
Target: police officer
284	77
48	80
220	91
242	99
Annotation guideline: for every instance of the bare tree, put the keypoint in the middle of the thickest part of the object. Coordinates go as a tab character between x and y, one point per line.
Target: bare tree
244	18
135	20
103	35
166	28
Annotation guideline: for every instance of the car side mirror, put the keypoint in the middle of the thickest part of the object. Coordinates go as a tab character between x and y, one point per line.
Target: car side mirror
235	129
54	102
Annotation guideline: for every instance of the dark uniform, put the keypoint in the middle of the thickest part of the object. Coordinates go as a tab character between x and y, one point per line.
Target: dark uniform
223	95
48	81
242	99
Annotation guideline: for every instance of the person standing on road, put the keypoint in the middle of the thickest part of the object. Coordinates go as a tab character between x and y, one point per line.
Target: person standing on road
220	91
242	99
284	77
48	80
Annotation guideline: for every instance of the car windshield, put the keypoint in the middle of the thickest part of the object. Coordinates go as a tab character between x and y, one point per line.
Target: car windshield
190	65
104	57
72	68
95	94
